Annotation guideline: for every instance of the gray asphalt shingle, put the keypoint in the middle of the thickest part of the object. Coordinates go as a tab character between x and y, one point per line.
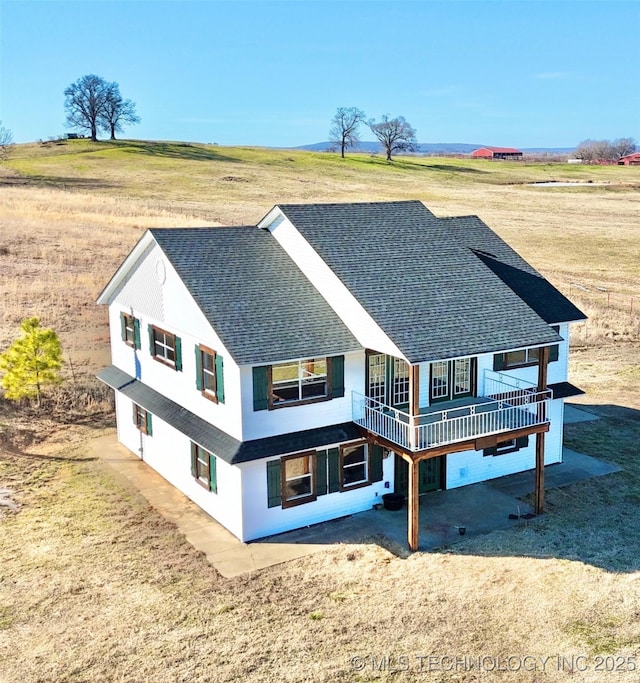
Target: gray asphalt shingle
215	440
421	279
255	297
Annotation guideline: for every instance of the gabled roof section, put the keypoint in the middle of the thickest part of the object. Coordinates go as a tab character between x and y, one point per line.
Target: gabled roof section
254	296
421	278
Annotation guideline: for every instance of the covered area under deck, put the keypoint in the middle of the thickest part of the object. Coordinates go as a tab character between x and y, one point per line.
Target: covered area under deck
507	411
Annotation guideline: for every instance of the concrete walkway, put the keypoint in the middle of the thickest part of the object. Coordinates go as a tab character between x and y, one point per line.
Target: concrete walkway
479	508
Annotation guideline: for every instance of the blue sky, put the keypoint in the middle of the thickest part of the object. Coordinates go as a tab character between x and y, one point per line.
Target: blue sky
512	73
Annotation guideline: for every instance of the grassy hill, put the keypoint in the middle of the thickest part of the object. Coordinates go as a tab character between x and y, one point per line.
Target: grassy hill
96	586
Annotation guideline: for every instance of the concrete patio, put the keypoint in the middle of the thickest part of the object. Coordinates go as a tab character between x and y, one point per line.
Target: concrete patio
480	508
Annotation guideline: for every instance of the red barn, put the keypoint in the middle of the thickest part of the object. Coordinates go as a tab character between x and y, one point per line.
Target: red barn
630	160
497	153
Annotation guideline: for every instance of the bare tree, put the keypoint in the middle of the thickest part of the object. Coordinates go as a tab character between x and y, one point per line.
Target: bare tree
117	111
604	150
344	127
623	146
395	135
85	101
6	138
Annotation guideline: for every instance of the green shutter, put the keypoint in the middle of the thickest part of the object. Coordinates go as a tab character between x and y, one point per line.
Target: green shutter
375	462
194	459
152	346
274	484
554	352
219	379
213	480
199	384
334	470
261	388
178	343
522	442
123	327
149	426
136	333
336	367
321	473
498	361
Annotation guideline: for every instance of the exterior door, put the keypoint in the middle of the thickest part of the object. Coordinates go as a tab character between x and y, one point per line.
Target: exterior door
388	380
452	379
429	475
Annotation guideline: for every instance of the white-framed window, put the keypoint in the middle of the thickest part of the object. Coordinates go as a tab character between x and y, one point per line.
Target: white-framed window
439	379
298	381
377	377
354	465
298	485
400	381
462	376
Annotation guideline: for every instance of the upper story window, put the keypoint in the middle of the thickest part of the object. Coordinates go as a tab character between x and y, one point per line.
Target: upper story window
130	330
209	373
298	382
525	357
165	347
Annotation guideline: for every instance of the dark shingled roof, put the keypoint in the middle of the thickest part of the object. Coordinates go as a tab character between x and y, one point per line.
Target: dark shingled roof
260	304
215	440
422	279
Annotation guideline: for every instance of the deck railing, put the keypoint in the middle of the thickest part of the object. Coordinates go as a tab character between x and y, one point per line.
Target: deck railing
508	404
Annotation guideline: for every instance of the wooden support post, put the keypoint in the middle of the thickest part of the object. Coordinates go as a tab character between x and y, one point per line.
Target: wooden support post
542	385
413	505
539	504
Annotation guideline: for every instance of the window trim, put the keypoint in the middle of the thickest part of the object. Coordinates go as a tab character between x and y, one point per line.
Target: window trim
141	419
211	466
161	359
300	500
367	464
554	355
275	405
127	318
211	395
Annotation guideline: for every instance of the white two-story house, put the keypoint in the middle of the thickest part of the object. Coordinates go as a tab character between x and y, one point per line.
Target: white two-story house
293	372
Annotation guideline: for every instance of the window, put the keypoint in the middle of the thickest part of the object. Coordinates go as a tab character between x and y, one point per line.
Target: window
209	374
400	382
508	446
130	330
303	478
142	419
354	466
298	382
203	467
298	485
165	347
525	357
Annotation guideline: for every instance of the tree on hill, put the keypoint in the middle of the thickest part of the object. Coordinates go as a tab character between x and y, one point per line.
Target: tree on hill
31	363
92	103
117	111
6	138
395	135
344	127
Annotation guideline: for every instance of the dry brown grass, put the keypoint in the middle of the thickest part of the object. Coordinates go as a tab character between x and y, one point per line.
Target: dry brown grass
95	586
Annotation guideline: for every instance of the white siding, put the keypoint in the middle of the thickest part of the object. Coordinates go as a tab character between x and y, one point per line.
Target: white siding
168	452
470	467
354	316
168	304
261	520
262	423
